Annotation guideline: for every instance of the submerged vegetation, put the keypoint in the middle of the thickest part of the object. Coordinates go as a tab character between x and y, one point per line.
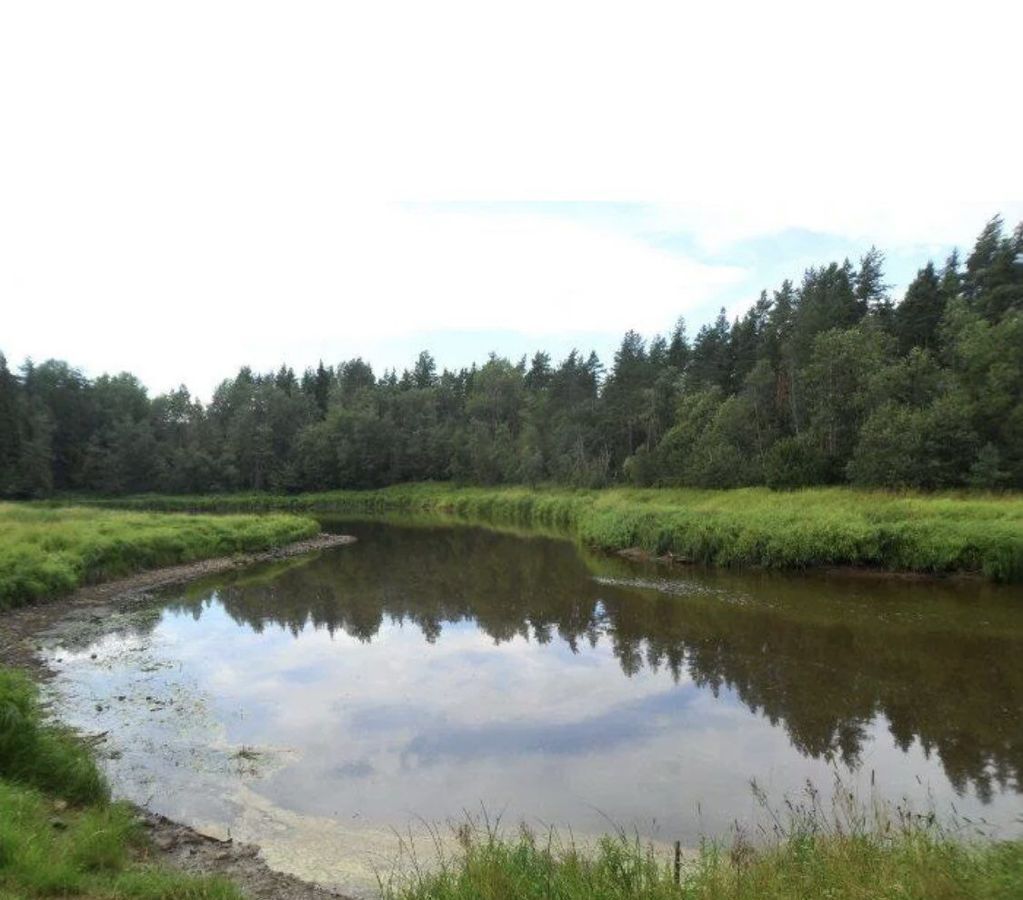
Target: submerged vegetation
51	551
750	526
60	836
825	380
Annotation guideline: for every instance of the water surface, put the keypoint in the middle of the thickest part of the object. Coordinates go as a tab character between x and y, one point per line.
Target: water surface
320	704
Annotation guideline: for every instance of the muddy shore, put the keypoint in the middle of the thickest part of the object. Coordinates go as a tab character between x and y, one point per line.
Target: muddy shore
171	844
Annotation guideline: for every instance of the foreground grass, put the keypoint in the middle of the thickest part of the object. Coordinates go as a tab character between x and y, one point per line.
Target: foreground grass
750	526
48	551
911	864
60	836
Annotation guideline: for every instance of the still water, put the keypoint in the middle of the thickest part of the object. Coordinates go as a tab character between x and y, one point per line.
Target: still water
321	705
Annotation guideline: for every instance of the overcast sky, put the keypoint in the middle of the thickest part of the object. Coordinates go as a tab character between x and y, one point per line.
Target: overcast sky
188	187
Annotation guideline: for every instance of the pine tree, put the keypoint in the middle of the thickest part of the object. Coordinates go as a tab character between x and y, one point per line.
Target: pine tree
678	346
710	362
321	387
916	319
424	375
10	428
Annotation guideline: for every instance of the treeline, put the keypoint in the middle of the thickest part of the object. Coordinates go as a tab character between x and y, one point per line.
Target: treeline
822	382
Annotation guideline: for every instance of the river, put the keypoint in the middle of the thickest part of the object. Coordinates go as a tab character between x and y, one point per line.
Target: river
337	707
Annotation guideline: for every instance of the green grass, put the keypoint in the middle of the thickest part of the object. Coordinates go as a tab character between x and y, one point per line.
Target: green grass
860	850
908	865
938	533
41	756
60	836
47	551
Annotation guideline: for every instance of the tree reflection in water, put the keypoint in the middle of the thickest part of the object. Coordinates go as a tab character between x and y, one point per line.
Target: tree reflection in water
821	656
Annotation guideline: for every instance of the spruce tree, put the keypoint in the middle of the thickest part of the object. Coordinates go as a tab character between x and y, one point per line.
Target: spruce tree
917	317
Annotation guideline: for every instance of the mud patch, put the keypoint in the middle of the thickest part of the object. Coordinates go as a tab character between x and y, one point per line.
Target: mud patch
190	851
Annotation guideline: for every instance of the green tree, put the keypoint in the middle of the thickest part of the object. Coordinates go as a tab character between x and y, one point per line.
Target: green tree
628	396
710	361
993	283
917	317
424	375
10	429
839	376
35	462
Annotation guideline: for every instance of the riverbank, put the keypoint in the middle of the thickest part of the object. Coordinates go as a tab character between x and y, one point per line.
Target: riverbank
816	859
61	835
102	852
20	627
59	831
938	534
48	551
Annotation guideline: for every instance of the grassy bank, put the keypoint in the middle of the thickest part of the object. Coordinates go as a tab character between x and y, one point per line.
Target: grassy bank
48	551
912	863
60	836
752	526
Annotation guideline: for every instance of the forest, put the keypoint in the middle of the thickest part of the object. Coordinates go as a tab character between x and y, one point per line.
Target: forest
825	380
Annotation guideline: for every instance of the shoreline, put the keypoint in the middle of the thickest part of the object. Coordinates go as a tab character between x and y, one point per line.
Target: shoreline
814	529
171	843
866	573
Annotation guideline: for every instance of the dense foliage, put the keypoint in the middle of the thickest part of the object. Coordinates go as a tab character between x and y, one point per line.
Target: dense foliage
826	381
45	552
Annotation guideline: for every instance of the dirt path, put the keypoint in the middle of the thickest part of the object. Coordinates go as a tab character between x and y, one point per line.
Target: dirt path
172	844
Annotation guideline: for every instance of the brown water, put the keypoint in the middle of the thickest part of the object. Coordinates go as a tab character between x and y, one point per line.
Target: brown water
319	704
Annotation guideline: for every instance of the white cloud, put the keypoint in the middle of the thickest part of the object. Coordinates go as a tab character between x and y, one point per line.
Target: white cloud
185	188
919	222
263	290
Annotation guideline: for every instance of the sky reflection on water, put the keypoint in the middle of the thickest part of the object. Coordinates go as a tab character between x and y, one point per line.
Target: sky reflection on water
423	672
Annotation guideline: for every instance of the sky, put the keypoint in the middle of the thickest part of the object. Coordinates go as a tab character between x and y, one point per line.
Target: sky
186	188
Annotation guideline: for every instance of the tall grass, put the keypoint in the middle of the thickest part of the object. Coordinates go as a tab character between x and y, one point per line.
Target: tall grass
941	533
48	551
857	852
42	756
59	834
805	868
